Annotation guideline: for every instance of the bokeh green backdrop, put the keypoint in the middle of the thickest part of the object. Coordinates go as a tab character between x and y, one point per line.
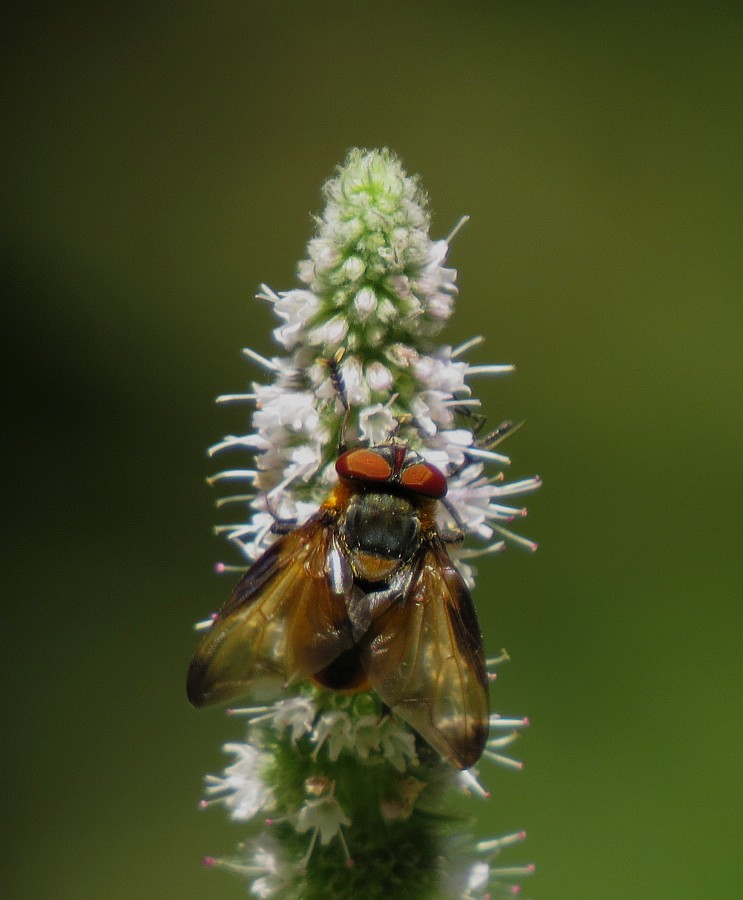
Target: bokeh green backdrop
163	159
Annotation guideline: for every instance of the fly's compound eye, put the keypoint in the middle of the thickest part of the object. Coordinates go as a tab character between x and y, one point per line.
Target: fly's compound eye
424	479
393	465
363	465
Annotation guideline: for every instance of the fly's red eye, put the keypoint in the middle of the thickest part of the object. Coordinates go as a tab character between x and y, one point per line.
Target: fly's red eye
423	478
366	465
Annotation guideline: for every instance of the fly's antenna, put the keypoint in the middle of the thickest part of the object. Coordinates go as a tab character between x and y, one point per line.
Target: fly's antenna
333	365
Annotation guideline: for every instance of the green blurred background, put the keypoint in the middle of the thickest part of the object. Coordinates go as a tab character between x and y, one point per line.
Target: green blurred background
162	160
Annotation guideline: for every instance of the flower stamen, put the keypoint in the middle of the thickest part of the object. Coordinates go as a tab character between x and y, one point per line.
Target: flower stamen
262	361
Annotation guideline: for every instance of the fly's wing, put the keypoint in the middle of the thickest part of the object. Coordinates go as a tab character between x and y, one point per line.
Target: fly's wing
423	655
286	619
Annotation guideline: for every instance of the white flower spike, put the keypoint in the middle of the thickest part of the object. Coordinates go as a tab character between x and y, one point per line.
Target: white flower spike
340	774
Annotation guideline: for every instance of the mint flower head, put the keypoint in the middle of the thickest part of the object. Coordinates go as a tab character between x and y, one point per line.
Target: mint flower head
343	797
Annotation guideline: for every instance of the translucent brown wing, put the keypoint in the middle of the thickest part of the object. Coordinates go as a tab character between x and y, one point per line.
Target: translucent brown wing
423	655
285	620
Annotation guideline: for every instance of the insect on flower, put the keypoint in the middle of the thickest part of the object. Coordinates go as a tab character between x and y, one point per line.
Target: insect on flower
362	595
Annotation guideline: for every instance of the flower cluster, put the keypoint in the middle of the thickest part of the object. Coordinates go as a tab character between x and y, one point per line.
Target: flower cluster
377	290
351	795
325	769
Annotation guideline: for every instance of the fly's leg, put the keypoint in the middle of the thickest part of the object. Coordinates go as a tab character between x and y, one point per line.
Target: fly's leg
452	535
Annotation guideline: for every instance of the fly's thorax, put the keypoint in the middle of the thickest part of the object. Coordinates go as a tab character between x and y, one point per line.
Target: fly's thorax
380	531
